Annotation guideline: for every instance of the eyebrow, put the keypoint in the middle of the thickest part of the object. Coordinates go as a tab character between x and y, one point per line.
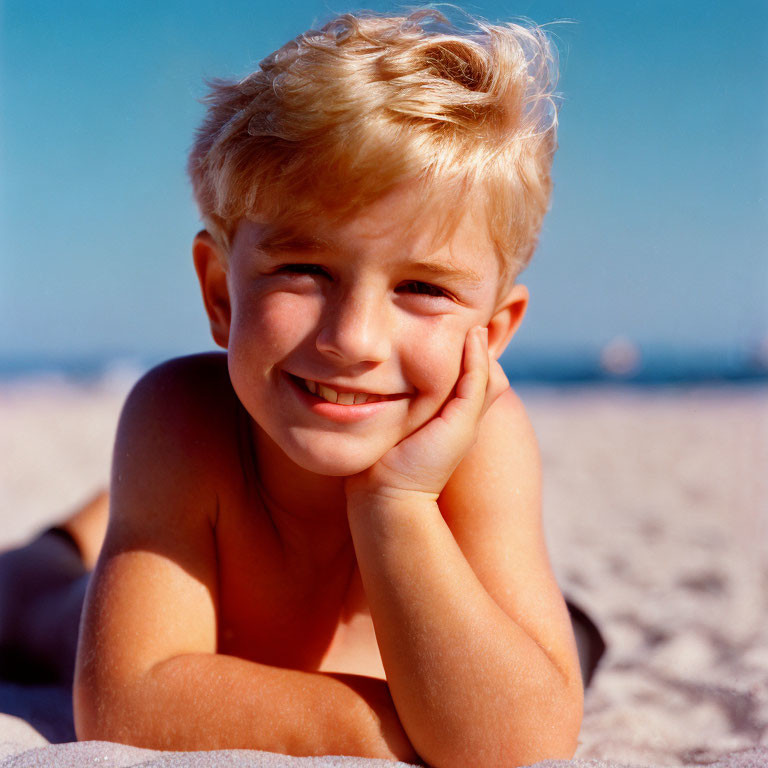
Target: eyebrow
278	239
447	271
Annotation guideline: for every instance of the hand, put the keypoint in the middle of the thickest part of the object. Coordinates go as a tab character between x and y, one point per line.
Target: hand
423	462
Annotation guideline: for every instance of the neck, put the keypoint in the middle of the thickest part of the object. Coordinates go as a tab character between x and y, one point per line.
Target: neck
309	511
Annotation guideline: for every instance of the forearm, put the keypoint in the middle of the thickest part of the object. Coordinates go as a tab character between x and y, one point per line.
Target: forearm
470	685
211	701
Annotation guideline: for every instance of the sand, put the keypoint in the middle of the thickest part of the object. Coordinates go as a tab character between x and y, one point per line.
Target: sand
656	512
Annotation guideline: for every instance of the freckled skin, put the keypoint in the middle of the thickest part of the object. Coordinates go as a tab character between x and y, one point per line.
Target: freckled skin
264	562
355	324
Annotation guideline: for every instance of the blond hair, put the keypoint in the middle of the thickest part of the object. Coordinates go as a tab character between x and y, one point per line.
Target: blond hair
339	116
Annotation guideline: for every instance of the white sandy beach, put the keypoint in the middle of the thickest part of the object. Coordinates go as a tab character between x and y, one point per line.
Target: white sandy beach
656	510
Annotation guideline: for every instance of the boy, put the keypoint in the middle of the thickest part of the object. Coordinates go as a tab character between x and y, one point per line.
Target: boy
328	539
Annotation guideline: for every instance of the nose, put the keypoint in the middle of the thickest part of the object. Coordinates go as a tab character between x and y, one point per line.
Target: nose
355	329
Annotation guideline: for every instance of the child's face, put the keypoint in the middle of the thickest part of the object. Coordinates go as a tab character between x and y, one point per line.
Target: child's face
369	309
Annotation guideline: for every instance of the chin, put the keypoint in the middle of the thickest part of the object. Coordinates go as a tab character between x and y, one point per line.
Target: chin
335	468
334	464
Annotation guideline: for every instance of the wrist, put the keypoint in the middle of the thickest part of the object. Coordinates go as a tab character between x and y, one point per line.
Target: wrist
388	515
364	495
381	481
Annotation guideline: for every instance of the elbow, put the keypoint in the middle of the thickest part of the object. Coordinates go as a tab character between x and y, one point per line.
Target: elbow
87	729
551	742
90	723
506	753
554	735
555	740
85	709
547	731
553	732
108	713
93	721
113	724
552	728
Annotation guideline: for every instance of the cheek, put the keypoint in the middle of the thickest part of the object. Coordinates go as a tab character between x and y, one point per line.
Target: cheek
273	324
436	359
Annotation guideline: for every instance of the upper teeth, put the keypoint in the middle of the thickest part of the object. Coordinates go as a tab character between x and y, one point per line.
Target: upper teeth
342	398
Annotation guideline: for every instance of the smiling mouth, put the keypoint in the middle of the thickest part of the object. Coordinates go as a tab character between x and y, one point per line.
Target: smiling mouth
331	395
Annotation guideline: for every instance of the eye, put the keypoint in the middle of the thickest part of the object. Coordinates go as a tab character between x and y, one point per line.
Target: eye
302	269
423	289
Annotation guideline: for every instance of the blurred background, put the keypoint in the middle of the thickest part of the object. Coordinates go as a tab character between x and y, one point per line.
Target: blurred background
653	263
643	361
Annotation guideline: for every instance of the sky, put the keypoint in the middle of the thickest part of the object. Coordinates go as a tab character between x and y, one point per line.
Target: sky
658	231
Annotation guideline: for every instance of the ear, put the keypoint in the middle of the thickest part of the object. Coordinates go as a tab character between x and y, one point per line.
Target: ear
506	319
212	275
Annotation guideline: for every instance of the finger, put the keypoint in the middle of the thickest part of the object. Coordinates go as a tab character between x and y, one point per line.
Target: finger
473	382
465	409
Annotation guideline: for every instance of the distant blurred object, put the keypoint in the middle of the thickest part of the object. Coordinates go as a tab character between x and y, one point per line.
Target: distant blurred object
620	357
760	354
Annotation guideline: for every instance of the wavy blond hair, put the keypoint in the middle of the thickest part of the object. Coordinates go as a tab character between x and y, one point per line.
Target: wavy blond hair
339	116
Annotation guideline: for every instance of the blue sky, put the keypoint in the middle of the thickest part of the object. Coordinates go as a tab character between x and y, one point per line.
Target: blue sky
659	225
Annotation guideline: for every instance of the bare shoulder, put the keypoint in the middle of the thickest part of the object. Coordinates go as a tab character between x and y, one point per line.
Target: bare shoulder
507	422
180	397
175	432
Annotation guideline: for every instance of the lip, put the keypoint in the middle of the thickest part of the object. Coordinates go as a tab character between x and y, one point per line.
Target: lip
343	388
340	413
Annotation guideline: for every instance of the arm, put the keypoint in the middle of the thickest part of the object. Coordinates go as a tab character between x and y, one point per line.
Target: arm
147	671
197	699
473	631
